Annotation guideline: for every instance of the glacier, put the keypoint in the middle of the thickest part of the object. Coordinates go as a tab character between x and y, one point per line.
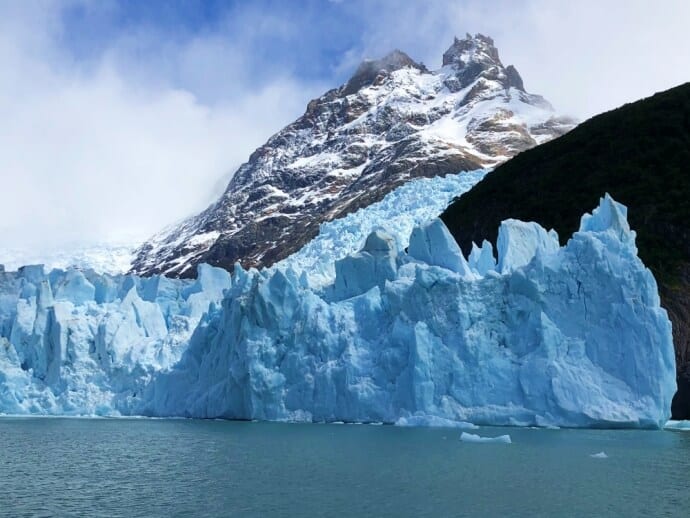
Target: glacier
548	336
408	206
379	319
103	337
77	342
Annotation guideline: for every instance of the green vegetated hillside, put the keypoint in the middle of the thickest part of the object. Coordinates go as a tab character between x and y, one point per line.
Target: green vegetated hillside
640	154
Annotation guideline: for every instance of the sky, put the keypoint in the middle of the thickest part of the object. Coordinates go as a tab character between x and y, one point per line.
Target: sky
118	118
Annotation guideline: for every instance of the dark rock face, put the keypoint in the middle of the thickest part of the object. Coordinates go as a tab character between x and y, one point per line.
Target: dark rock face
393	121
639	154
514	78
676	300
465	52
370	71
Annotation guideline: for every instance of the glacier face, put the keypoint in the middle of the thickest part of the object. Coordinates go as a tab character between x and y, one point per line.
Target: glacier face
548	335
77	342
380	319
57	319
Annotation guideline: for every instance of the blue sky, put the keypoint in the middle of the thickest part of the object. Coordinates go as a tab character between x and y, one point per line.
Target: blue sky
304	38
120	117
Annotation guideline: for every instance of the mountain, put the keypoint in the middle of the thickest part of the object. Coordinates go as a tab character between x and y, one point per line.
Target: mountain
394	120
640	154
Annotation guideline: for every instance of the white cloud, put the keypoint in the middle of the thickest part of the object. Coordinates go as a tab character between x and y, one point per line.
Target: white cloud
107	153
585	56
149	129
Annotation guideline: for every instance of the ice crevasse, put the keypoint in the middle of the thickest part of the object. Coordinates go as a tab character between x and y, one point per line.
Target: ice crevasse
543	335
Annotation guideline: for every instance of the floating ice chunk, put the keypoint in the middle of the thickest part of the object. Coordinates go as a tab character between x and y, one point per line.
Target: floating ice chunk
434	421
678	425
600	455
518	242
470	437
433	244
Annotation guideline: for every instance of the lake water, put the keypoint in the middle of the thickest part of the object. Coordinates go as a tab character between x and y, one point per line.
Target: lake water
140	467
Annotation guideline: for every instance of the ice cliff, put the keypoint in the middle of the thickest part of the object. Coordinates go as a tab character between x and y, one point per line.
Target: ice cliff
547	335
393	324
75	342
78	343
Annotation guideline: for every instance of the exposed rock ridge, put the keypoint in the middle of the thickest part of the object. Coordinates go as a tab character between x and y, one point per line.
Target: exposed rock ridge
394	120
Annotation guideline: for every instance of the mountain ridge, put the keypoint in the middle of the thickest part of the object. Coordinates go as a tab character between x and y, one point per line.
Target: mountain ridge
394	120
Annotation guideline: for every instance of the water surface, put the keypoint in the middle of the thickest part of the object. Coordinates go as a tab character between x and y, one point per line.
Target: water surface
140	467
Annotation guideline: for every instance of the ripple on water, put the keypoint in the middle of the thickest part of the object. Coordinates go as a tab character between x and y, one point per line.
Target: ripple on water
111	468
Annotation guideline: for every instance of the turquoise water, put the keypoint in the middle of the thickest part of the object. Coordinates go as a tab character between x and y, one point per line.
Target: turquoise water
130	467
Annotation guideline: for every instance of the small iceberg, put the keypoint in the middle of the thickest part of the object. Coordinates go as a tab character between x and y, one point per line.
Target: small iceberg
434	421
470	437
600	455
678	425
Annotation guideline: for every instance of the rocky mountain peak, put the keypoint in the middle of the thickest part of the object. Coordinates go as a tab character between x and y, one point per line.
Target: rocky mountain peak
371	69
472	49
476	56
393	121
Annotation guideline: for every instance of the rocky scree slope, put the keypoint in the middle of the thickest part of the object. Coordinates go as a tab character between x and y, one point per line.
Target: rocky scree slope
394	120
638	153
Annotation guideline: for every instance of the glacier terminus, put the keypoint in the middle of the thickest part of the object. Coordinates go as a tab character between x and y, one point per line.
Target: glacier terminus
396	326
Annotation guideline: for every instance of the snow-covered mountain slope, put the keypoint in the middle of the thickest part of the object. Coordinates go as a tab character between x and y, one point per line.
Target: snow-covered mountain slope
110	258
405	329
394	120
